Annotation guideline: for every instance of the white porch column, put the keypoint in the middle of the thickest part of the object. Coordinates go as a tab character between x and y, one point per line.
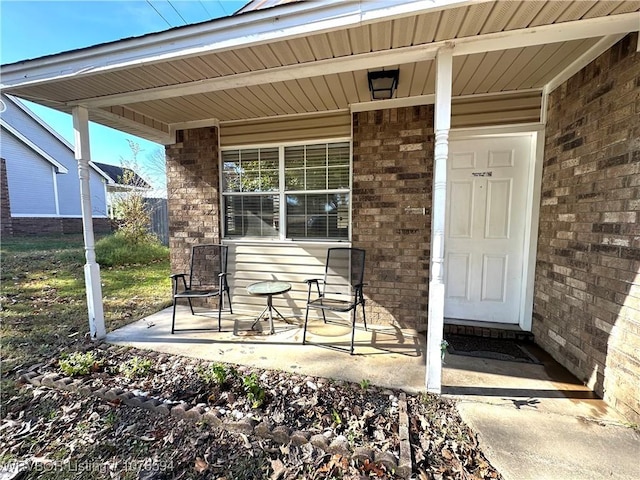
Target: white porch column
442	124
91	269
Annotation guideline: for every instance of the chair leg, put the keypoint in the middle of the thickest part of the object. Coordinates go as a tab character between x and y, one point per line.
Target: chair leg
229	299
304	331
220	300
191	306
173	319
353	329
324	317
364	317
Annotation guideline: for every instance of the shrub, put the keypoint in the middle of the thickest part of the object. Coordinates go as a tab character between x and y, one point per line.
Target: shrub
255	393
117	250
78	364
215	374
136	367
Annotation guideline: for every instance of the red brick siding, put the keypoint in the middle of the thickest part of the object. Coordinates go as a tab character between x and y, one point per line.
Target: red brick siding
392	180
193	187
51	226
74	225
587	291
5	205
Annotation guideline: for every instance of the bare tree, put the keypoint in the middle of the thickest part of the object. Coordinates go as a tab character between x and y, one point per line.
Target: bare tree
129	207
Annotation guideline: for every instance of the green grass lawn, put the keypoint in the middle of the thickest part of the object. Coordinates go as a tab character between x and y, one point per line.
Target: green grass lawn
43	297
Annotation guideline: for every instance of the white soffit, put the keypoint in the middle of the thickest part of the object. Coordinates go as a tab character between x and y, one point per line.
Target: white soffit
299	19
544	35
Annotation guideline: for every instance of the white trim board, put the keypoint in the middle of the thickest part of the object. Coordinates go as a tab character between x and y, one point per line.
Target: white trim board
604	44
61	168
536	131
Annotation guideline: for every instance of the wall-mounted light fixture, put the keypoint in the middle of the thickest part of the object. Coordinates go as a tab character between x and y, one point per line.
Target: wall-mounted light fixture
383	84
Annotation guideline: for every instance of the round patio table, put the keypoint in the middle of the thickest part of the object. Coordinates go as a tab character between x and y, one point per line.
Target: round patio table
268	289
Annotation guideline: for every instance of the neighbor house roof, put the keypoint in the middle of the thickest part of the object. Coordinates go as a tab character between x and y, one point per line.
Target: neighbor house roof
312	57
36	148
121	176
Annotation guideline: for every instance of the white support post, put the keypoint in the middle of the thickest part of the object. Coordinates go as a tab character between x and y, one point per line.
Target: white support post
442	124
91	269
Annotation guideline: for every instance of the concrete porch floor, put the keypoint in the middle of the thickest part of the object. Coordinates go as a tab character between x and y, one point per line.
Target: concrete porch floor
386	356
534	421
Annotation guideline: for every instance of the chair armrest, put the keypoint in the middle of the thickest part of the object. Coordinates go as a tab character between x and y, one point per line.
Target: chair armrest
309	281
177	275
223	274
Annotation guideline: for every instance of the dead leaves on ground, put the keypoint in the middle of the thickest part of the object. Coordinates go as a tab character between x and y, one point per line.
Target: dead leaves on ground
47	425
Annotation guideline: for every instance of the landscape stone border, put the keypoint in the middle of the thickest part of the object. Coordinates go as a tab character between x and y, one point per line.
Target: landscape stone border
280	434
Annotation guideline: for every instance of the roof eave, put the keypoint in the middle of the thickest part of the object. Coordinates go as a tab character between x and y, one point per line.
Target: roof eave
251	28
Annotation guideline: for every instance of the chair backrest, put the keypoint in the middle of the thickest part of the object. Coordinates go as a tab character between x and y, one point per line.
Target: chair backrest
344	270
207	263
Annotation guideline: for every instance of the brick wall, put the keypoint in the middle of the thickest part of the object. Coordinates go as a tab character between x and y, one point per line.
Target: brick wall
74	225
192	185
5	206
55	226
587	291
392	179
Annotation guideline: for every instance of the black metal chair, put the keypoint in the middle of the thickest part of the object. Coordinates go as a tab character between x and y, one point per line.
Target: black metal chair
207	278
341	288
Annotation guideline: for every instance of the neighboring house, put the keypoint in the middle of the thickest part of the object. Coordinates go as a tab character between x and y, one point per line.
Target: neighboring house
498	185
121	180
41	177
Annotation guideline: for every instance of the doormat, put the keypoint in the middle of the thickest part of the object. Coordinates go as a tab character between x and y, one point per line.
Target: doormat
493	348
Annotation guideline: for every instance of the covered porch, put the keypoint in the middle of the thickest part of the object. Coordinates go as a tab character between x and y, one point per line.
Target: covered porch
385	356
271	82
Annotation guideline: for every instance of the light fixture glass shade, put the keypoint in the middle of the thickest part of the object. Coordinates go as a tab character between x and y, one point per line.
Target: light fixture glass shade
383	84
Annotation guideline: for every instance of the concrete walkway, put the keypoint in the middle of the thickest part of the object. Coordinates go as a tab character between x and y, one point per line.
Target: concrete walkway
534	421
539	422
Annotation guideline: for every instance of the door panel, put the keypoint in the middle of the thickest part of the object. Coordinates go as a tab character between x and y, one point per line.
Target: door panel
460	218
498	209
486	202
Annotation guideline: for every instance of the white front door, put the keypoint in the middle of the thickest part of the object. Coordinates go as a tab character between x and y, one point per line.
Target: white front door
486	220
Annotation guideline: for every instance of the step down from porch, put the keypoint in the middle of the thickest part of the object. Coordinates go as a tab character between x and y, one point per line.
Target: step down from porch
511	332
495	341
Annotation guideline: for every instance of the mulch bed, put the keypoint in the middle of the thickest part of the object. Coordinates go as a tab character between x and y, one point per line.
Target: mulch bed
442	445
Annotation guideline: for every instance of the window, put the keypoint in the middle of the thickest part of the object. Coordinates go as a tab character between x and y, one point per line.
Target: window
296	192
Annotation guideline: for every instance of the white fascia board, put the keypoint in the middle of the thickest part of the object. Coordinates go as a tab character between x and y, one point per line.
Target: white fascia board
207	122
60	167
299	19
568	31
546	34
34	215
393	103
583	60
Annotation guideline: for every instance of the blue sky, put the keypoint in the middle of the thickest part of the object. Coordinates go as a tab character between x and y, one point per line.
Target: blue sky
32	29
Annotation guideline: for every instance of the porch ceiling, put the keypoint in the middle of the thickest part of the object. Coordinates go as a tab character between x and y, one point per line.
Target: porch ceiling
323	70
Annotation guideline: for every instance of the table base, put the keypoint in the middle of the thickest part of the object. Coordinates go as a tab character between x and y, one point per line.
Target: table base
269	308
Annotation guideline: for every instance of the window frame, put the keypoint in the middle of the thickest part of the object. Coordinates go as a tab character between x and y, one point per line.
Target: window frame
282	193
